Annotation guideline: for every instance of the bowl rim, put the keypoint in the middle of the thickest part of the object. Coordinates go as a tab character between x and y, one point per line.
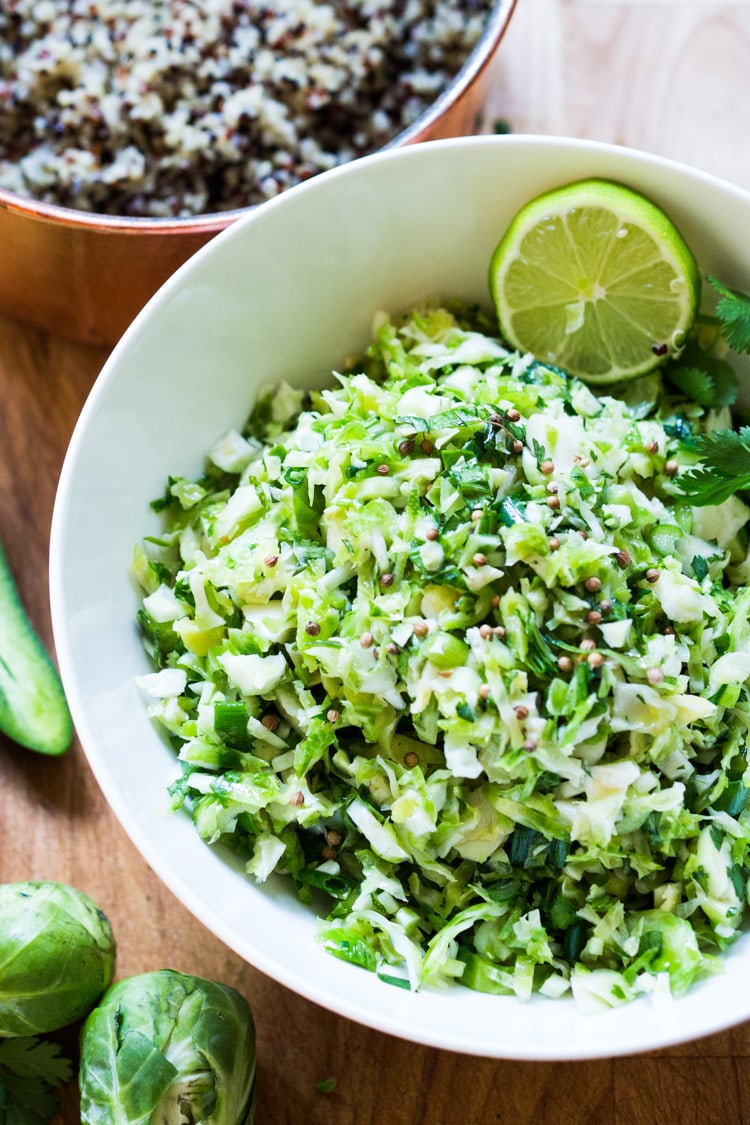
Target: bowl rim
348	1004
475	63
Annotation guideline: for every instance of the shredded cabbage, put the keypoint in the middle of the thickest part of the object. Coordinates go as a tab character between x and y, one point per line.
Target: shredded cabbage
442	644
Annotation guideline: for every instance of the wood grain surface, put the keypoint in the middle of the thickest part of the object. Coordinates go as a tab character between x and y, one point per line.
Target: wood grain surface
672	77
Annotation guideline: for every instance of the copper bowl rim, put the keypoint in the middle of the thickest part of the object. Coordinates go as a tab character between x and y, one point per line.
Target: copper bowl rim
475	63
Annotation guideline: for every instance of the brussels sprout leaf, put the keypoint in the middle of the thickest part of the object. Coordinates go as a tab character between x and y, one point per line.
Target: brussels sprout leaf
133	1074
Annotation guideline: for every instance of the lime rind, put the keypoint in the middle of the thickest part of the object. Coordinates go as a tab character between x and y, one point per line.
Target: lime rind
595	278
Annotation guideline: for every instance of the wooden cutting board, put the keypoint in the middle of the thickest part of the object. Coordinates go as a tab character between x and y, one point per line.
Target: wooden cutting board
672	77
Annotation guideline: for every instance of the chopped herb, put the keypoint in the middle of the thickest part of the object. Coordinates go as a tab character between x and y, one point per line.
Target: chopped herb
700	567
447	420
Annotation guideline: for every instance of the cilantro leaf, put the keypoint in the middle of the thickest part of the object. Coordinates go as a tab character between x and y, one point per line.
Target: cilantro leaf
30	1070
26	1101
724	468
694	383
35	1058
733	310
704	378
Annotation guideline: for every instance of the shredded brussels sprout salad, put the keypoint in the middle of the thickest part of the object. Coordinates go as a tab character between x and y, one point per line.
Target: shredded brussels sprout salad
449	644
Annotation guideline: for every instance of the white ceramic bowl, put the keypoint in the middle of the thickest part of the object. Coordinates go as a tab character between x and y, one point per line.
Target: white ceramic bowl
287	293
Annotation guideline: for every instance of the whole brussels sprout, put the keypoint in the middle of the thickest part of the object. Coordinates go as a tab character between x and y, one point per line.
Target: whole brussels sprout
57	956
165	1048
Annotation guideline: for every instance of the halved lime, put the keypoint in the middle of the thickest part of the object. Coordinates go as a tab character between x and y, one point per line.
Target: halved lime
596	279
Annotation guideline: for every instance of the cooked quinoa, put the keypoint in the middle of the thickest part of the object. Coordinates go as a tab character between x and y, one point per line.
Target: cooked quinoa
177	108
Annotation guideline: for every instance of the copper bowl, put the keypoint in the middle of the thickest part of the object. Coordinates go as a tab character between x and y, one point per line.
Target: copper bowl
85	276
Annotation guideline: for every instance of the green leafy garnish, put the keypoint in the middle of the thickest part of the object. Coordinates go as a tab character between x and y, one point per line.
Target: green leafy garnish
704	378
31	1069
725	468
733	310
724	454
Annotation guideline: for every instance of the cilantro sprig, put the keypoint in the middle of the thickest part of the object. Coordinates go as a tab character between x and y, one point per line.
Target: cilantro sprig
31	1069
733	310
724	468
704	378
724	454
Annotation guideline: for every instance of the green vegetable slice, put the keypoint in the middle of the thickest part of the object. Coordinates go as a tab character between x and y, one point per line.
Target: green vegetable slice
597	279
33	708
